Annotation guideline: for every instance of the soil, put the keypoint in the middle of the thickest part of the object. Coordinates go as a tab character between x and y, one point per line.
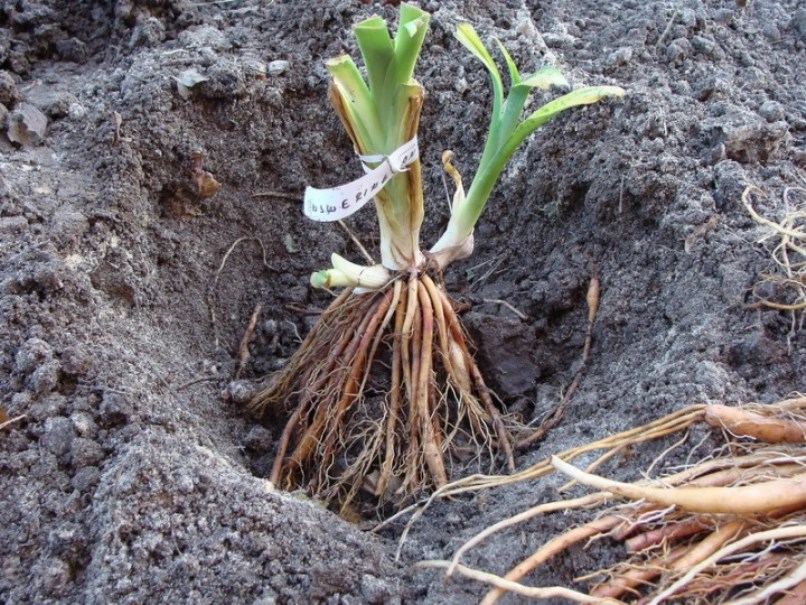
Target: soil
135	476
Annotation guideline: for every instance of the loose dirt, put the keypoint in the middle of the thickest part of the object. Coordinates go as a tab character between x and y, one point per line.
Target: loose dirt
130	478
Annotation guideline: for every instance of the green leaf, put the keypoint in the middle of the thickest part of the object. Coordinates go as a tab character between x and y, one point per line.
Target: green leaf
377	50
514	75
545	78
468	37
380	115
581	96
359	103
488	173
506	134
513	108
409	38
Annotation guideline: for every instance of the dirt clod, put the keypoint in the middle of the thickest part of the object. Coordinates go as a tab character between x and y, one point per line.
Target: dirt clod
8	89
27	125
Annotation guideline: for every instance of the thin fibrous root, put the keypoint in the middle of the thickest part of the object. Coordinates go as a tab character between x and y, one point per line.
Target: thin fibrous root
516	588
634	577
551	548
380	393
519	518
668	533
554	418
769	536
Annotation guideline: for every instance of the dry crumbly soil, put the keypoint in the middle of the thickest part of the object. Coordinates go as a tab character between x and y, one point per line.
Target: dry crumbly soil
131	479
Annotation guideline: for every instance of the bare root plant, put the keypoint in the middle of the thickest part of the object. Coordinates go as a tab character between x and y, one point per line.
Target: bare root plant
730	529
384	396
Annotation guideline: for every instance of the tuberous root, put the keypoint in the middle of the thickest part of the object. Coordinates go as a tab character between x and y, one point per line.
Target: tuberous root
384	391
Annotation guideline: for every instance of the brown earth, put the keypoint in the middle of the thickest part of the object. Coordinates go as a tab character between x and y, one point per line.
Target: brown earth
130	479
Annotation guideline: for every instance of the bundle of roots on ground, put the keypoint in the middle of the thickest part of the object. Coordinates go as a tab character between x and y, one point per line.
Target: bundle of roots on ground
387	397
730	529
785	284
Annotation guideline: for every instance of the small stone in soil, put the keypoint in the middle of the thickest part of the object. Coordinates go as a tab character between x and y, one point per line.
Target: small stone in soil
278	67
27	125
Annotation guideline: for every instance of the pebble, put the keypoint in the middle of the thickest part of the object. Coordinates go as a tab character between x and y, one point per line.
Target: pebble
703	45
240	392
114	409
27	125
558	40
76	111
278	67
148	32
75	360
678	50
225	80
253	67
72	49
31	354
461	85
771	31
86	478
688	17
84	424
772	111
45	378
187	80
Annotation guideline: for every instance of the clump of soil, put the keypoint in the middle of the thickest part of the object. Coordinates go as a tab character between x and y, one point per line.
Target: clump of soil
126	477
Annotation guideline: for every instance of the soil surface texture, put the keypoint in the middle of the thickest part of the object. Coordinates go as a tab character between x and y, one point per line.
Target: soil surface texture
129	471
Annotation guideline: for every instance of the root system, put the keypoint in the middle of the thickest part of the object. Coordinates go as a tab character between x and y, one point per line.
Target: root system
386	399
729	529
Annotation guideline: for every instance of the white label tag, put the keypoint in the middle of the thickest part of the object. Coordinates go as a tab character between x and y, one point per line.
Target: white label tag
339	202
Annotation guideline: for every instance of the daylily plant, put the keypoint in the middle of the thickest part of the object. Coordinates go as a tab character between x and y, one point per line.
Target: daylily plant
394	321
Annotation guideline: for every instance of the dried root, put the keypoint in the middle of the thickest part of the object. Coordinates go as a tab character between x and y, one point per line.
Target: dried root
784	288
731	529
389	434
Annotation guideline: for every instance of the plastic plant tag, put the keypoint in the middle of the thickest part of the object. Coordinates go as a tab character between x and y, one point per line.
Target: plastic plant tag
334	204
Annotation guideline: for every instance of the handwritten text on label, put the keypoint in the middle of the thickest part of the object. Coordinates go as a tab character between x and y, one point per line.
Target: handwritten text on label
342	201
